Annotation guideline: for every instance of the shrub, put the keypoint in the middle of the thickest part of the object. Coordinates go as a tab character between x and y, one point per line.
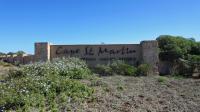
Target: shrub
121	68
143	69
5	64
70	67
161	79
14	73
185	68
194	58
174	48
120	88
116	67
104	70
36	84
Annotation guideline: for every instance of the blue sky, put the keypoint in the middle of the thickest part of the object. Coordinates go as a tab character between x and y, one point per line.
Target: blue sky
23	22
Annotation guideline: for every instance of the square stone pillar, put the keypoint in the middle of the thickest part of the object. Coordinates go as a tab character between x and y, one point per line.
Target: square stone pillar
42	51
150	54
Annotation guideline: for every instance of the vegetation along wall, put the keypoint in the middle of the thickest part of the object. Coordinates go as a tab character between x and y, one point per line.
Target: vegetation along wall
133	54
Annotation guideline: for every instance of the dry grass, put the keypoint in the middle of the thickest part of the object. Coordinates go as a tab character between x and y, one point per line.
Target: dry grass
3	71
4	68
145	94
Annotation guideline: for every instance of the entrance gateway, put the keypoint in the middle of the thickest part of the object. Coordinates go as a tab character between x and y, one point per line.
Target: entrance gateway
133	54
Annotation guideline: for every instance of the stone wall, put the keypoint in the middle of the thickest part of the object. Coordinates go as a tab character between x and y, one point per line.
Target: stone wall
18	59
165	67
28	59
99	54
150	53
134	54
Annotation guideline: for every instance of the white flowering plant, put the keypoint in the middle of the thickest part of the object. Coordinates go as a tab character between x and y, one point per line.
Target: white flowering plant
39	85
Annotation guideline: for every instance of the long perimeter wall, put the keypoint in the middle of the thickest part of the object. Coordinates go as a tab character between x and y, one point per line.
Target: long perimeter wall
134	54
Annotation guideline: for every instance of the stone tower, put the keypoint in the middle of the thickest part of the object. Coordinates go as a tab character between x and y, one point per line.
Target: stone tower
150	54
42	51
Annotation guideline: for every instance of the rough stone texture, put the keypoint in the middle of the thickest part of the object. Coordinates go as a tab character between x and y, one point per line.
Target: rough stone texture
150	54
165	67
42	51
28	59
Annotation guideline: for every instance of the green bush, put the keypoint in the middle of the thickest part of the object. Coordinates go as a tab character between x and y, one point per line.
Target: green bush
39	84
176	48
194	58
121	68
161	79
104	70
116	67
143	69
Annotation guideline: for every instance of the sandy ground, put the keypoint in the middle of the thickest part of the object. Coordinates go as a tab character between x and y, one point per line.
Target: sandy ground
145	94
